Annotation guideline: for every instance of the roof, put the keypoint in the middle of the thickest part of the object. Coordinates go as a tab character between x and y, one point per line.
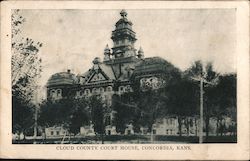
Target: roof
107	69
62	78
153	64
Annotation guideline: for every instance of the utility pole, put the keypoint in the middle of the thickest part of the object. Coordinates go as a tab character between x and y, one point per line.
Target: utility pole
202	80
201	111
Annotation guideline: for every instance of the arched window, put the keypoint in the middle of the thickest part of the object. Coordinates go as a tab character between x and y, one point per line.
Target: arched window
128	88
52	92
59	92
121	89
87	91
94	90
101	89
109	88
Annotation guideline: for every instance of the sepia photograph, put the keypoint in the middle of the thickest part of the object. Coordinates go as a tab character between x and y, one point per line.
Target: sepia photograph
124	76
124	80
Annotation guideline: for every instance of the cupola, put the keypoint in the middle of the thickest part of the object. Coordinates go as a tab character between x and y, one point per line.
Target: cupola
140	53
107	53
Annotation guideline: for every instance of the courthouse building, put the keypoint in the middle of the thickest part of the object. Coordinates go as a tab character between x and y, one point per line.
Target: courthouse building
122	65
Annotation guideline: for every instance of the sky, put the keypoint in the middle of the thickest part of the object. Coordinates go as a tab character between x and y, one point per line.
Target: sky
73	38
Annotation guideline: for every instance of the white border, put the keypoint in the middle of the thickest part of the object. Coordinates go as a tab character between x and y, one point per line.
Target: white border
204	151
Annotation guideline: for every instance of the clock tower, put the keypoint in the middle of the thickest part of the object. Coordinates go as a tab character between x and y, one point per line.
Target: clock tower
123	38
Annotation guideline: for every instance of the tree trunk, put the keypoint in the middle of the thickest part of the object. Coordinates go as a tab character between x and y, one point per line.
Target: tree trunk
196	128
102	138
44	132
207	126
69	136
221	128
217	127
235	129
24	137
179	126
19	137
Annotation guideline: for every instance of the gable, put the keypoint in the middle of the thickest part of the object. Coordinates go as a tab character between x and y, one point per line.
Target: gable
97	77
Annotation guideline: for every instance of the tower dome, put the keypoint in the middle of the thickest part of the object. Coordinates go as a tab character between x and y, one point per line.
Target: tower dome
97	60
62	78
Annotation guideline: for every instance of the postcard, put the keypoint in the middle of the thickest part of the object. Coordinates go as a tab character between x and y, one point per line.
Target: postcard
148	80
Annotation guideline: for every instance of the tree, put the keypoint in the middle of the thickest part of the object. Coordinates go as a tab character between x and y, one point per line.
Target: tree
22	115
69	113
79	115
25	70
182	101
53	113
210	78
123	105
25	61
97	115
224	100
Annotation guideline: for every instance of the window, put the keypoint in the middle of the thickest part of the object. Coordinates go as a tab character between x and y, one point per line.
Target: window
167	131
154	131
168	121
57	132
128	88
129	132
109	88
121	88
52	133
81	93
59	92
171	121
101	90
52	93
87	91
